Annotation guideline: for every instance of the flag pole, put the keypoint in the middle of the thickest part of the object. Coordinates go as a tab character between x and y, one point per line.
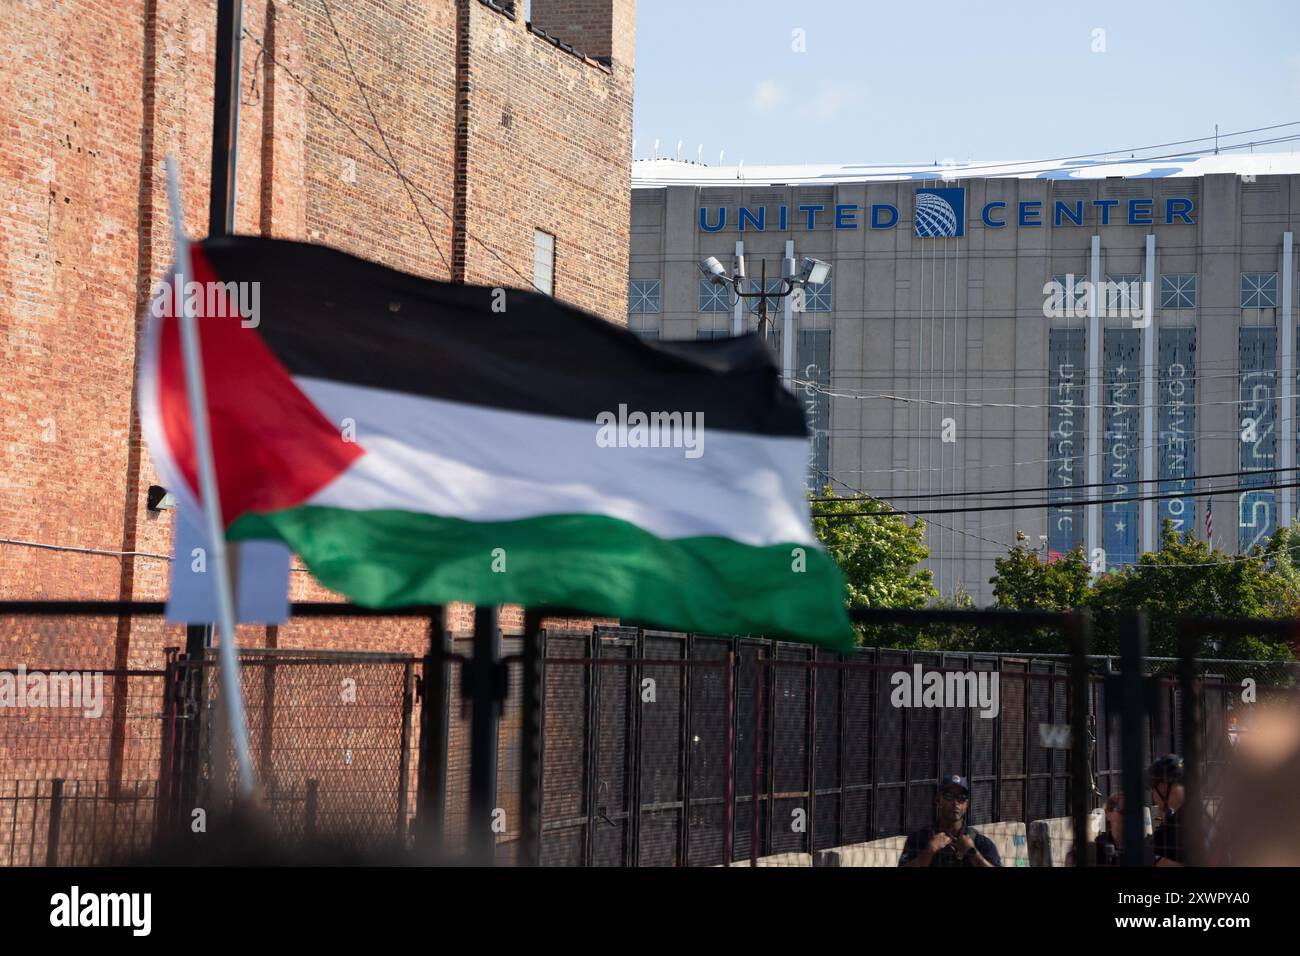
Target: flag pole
210	503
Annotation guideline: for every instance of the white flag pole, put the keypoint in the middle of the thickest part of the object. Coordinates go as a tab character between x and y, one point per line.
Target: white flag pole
210	502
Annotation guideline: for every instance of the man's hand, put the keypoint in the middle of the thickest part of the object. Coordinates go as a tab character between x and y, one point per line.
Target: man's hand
926	856
939	841
967	851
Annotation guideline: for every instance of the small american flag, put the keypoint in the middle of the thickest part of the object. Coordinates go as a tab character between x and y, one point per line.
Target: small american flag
1209	520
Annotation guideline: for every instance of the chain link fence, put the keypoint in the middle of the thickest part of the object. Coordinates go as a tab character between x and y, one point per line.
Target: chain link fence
651	748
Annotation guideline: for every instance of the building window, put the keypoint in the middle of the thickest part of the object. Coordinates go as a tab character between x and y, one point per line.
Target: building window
1178	291
714	297
643	296
543	262
818	297
775	306
651	335
1074	292
1259	290
1123	293
703	334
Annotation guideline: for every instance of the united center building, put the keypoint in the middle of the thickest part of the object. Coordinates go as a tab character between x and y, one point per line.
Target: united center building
1085	338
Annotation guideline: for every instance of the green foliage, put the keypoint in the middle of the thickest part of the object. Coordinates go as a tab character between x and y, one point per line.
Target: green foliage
947	637
878	552
1022	582
1185	578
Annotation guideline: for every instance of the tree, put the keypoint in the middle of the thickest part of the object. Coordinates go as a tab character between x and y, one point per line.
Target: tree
948	637
1184	578
1023	582
878	552
1187	577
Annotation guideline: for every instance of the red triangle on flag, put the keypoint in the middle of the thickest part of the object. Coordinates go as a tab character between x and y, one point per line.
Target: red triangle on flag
273	448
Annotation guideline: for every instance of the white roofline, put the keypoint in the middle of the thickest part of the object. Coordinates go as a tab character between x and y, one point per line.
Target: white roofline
660	173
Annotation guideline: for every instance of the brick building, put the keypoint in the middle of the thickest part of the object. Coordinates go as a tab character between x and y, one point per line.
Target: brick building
514	138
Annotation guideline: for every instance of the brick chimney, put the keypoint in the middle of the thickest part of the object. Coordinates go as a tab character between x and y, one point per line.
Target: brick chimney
598	28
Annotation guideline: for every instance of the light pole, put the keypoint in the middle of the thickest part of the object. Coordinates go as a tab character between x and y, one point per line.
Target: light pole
811	272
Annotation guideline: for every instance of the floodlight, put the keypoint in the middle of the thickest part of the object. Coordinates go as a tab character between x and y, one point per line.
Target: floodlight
814	271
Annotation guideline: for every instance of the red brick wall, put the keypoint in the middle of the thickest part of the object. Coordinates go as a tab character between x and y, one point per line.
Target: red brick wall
528	172
98	95
593	27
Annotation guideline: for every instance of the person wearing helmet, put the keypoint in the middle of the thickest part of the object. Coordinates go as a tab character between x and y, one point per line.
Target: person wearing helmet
1168	794
950	842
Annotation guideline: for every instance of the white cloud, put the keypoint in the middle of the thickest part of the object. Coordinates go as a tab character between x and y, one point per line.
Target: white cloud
768	96
833	100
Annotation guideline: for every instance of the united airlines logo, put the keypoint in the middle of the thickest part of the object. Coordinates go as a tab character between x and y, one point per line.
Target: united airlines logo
940	213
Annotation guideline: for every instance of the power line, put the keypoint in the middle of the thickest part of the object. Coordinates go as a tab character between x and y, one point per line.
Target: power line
1004	548
1027	167
367	144
1030	506
969	534
1038	383
1099	484
384	139
967	170
1075	406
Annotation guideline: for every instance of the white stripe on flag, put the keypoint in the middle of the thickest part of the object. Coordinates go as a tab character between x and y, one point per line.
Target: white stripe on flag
455	460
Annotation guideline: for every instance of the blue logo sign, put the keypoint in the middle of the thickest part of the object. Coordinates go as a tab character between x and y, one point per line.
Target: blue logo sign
941	213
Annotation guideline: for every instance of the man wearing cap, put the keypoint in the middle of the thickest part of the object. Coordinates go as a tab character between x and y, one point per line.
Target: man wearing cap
1168	793
950	842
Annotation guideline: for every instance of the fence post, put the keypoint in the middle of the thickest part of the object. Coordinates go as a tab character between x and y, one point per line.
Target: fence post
313	797
841	758
265	745
729	784
769	775
530	744
1189	642
435	729
165	793
192	688
56	815
759	675
591	766
636	745
810	821
404	767
1133	685
1077	626
482	683
684	837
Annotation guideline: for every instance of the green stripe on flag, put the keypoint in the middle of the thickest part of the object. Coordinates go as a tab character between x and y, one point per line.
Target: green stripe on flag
592	563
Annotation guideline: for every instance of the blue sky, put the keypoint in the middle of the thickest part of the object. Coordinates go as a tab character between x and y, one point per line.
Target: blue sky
950	80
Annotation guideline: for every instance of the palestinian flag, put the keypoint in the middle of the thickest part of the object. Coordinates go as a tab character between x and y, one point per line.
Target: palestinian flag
421	442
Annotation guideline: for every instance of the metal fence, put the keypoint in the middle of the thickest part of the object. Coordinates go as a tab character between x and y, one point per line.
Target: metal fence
614	746
653	753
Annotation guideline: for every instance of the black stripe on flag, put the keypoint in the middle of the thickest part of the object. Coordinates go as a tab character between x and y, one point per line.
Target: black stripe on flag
326	314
